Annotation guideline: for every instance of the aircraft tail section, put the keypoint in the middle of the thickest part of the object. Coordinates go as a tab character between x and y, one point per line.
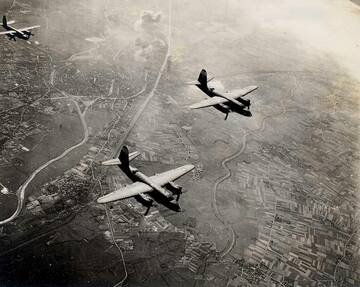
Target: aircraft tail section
4	22
124	157
202	79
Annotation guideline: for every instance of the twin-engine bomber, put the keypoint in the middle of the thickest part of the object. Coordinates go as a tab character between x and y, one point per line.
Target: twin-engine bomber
159	187
225	102
13	33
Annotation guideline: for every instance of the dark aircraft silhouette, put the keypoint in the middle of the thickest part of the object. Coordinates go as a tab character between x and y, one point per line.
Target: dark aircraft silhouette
13	33
225	102
146	189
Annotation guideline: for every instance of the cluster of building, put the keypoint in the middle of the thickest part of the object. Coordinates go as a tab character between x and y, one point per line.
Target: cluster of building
41	203
14	129
69	189
196	254
22	93
128	223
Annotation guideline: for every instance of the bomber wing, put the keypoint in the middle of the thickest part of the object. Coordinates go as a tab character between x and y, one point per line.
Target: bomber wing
227	97
239	93
8	32
208	103
139	187
125	192
116	161
28	28
171	175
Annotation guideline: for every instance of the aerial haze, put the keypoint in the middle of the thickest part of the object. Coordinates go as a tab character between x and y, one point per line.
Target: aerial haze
273	199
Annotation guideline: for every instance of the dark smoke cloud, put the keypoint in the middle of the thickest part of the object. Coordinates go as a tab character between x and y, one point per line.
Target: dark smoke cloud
148	20
149	42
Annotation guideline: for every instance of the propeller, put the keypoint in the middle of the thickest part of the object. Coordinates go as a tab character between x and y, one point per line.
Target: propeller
149	205
147	210
29	33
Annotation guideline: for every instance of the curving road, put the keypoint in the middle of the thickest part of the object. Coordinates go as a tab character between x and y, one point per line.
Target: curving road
227	249
22	189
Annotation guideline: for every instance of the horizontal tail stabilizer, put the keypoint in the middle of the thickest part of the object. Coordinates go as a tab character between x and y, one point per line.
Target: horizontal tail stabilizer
195	83
114	161
133	155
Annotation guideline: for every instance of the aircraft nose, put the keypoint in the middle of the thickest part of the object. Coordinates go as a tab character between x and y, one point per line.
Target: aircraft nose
247	113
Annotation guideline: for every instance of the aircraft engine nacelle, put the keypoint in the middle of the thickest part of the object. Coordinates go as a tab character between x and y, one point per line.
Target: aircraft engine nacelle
28	33
247	102
145	200
174	188
156	187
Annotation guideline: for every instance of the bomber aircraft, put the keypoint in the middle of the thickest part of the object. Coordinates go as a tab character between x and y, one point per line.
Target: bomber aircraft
146	189
13	33
225	102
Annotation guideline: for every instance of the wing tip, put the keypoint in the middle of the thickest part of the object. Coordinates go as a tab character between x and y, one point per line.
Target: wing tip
107	198
194	107
134	154
192	83
189	167
101	200
110	162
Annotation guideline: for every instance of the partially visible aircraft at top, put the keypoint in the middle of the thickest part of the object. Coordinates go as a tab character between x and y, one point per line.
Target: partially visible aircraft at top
146	189
225	102
13	33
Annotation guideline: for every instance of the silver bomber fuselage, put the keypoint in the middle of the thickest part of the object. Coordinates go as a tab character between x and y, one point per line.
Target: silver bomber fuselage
135	175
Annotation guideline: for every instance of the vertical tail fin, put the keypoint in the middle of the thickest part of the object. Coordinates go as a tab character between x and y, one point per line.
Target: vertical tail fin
203	78
5	21
124	157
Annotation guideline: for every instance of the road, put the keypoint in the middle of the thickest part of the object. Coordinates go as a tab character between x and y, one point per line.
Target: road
111	227
227	249
128	131
152	92
21	192
22	189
